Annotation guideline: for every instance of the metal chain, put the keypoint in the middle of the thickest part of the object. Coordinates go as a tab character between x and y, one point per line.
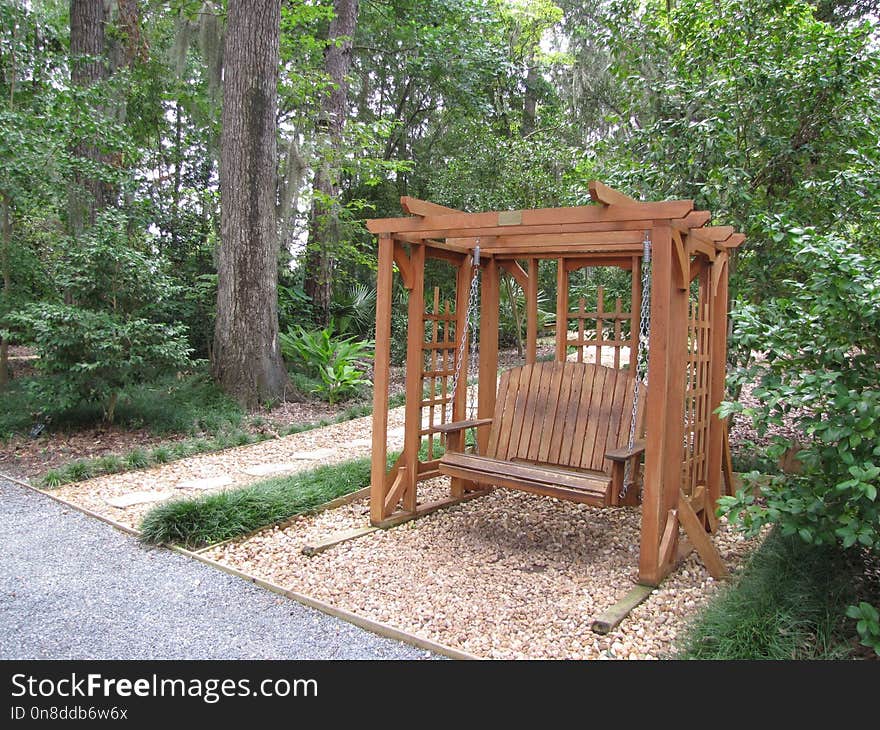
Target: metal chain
640	354
469	328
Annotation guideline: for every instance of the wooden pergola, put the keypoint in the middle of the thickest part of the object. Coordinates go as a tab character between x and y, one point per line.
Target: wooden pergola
685	447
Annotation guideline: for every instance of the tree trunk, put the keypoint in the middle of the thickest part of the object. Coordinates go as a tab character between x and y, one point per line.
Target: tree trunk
6	224
134	44
324	217
530	102
247	359
87	195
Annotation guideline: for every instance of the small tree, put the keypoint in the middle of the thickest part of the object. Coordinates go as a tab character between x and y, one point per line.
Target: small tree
111	330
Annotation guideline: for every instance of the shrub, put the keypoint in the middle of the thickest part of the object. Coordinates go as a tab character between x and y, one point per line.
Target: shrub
111	330
354	311
333	360
817	364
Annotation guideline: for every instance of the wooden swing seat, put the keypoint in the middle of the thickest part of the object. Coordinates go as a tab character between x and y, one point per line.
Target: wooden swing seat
559	429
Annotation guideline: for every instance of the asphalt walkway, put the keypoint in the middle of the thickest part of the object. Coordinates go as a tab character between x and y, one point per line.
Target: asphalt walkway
73	587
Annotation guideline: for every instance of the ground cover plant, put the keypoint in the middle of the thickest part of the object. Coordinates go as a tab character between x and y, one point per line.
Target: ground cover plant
789	603
195	523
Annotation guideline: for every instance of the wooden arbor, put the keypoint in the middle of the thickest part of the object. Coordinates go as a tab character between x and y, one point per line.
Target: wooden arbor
685	444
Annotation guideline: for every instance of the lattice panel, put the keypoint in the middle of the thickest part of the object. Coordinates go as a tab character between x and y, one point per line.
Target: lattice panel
696	398
438	368
600	333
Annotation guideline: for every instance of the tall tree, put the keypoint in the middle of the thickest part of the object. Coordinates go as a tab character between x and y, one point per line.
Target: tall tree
247	358
87	194
324	219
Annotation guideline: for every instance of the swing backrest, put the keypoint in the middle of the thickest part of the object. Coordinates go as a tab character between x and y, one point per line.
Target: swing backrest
567	414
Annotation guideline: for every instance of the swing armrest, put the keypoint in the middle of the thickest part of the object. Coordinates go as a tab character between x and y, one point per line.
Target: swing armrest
456	426
624	453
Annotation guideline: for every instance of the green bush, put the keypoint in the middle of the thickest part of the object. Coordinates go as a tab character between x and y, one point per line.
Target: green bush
112	328
354	311
817	367
332	360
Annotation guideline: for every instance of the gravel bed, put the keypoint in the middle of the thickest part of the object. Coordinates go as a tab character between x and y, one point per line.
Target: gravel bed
72	587
506	576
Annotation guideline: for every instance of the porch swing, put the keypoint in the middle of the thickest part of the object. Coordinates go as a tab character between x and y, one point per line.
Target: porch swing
572	430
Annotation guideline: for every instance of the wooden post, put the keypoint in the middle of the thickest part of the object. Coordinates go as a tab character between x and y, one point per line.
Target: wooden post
665	403
532	313
561	310
488	369
415	341
717	377
381	371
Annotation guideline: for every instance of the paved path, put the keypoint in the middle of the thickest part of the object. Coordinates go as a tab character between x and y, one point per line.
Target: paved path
72	587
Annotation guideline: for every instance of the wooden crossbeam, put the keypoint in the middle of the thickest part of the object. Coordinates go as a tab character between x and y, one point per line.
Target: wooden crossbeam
579	239
601	193
444	245
518	251
489	223
734	241
621	262
464	237
414	206
453	257
717	233
694	220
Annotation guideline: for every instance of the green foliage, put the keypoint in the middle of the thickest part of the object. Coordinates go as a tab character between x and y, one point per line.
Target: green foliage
483	170
52	478
787	604
353	312
109	332
868	624
293	306
512	313
110	464
340	379
817	346
752	108
332	359
137	459
199	522
191	404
